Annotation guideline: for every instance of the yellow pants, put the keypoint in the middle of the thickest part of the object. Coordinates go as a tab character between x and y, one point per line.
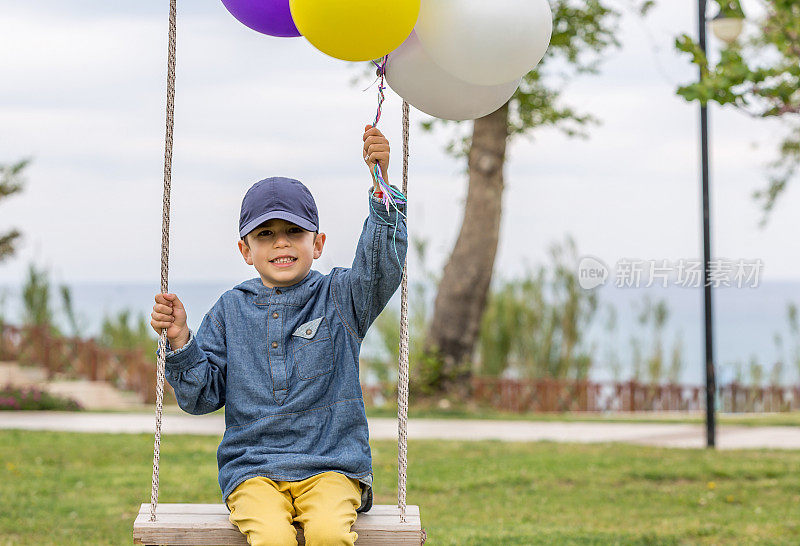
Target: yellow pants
324	505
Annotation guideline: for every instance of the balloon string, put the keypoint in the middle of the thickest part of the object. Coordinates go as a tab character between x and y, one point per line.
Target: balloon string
390	196
381	87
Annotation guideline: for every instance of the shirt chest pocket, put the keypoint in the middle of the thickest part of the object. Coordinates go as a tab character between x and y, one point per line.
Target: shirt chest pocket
313	348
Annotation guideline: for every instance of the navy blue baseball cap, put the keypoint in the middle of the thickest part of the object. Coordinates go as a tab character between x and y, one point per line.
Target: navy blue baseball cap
278	197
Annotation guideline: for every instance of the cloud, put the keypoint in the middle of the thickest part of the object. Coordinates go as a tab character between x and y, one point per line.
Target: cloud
84	94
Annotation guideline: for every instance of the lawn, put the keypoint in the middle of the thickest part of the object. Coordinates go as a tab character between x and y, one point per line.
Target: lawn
69	488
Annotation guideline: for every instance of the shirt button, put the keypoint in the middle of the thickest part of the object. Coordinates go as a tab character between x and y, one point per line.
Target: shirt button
274	344
277	290
308	331
274	315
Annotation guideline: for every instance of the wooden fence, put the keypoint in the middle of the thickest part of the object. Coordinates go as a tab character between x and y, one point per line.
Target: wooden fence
64	357
551	395
136	371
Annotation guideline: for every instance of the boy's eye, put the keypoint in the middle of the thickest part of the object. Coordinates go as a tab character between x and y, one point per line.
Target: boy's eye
268	232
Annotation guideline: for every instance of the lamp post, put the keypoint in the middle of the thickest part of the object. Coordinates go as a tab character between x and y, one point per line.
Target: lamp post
726	26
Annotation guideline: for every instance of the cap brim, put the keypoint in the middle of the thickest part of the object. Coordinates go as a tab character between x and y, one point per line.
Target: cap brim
283	215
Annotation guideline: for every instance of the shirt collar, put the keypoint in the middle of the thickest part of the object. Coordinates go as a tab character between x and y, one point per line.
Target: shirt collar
257	287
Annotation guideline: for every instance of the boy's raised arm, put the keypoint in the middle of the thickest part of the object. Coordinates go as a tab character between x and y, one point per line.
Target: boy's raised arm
363	290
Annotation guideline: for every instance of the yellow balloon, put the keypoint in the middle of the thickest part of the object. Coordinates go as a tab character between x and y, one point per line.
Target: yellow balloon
355	30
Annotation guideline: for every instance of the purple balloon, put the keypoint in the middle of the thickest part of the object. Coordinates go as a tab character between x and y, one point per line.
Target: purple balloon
266	16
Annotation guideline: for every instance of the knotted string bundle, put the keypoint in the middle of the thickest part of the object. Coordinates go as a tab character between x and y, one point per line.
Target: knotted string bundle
390	196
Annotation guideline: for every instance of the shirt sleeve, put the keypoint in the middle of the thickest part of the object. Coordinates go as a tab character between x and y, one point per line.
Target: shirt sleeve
196	371
363	290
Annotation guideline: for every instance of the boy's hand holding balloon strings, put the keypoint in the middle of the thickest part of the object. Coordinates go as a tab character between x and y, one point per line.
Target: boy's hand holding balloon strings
376	150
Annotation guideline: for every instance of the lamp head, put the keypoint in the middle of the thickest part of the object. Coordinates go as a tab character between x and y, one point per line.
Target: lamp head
727	25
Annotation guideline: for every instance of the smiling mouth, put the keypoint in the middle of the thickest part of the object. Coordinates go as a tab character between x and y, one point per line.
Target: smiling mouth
283	261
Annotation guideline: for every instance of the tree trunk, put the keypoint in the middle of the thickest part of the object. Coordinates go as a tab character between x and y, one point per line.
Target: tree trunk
464	286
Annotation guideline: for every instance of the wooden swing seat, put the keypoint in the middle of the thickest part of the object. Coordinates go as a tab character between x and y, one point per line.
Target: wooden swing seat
208	524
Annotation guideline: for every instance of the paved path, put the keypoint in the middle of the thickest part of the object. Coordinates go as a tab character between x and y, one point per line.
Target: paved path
657	434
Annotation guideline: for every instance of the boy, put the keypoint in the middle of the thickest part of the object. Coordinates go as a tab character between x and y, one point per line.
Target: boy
280	351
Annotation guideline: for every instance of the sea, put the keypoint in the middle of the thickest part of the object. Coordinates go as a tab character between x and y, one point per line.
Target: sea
749	323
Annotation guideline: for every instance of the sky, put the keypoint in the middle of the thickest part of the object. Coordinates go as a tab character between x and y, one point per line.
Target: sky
83	95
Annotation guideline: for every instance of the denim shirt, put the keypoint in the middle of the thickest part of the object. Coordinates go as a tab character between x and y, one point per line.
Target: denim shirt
284	363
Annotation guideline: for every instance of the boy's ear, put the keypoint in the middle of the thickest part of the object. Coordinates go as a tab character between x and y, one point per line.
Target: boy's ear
319	242
245	250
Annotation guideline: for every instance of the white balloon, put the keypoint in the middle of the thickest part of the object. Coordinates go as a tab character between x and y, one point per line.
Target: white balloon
413	75
486	42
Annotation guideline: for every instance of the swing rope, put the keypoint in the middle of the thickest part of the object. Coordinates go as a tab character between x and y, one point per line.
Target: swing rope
402	378
162	339
402	387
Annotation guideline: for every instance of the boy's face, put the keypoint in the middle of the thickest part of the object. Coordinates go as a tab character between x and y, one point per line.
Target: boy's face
274	239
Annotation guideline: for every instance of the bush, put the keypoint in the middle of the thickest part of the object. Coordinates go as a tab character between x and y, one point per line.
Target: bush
123	332
535	325
31	398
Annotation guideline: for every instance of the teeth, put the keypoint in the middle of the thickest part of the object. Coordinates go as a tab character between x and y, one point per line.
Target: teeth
283	260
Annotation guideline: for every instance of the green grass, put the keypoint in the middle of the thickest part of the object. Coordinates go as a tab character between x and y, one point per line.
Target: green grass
67	488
